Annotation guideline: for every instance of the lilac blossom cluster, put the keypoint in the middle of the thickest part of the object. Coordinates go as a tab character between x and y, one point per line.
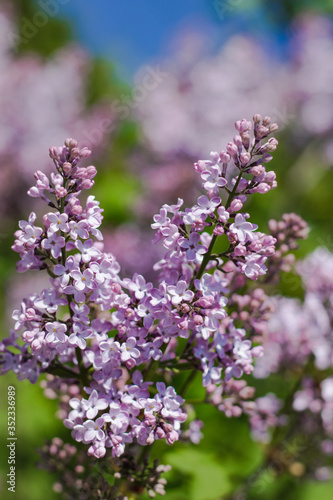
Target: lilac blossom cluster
79	478
120	339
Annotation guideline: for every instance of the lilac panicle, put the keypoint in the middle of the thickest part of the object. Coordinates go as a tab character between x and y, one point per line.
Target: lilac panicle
119	336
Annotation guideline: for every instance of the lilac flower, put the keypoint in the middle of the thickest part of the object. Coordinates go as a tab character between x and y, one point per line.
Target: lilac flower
242	350
79	336
87	249
65	271
94	404
48	301
180	293
170	234
83	280
253	266
161	219
42	184
134	329
151	405
138	285
211	374
206	206
128	350
80	313
243	229
30	234
223	214
191	246
55	332
57	222
117	418
212	179
194	432
78	410
90	430
207	285
54	243
104	270
78	230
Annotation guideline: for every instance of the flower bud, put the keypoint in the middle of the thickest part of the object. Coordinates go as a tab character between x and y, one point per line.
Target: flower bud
266	121
185	308
218	230
116	288
267	158
150	439
274	127
232	149
257	170
85	153
172	437
235	205
167	427
244	158
86	184
198	320
60	191
246	139
232	237
262	132
75	153
160	433
70	143
224	157
238	141
270	176
67	167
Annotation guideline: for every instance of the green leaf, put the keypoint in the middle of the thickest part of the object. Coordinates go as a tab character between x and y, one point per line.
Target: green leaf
209	479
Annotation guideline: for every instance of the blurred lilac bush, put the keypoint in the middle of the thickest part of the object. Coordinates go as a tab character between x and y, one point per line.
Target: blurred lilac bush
32	91
193	109
195	113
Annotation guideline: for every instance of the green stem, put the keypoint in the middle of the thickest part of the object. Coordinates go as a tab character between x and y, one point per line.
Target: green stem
82	369
62	371
208	254
205	261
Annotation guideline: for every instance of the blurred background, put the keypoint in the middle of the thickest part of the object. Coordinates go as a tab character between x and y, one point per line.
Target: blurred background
150	87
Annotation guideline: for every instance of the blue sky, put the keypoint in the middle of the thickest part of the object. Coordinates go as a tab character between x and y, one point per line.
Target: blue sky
132	32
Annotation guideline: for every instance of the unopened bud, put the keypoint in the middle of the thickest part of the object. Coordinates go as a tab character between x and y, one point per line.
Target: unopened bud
245	158
274	127
238	140
266	121
185	308
257	170
85	153
262	132
70	143
150	439
67	167
235	205
75	152
198	320
224	157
